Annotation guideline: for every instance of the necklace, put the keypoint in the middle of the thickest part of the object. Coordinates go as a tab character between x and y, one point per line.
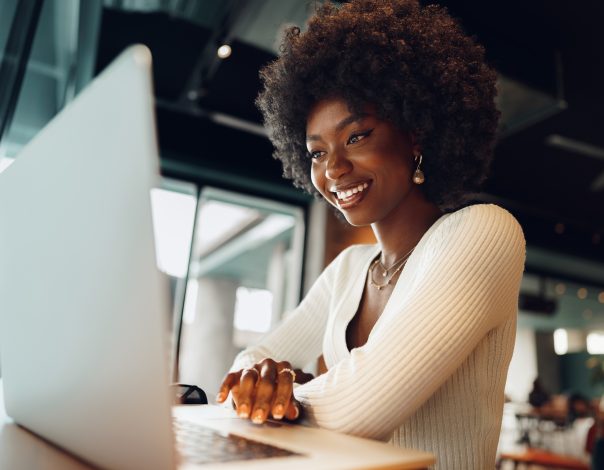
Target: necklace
400	263
395	264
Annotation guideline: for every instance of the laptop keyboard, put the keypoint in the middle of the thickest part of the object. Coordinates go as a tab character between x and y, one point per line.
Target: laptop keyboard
199	445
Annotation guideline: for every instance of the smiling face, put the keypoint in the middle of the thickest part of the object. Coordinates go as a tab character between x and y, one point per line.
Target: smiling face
360	164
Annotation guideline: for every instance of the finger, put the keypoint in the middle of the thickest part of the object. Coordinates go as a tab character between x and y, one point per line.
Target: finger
283	365
264	391
293	411
247	384
229	381
235	395
283	394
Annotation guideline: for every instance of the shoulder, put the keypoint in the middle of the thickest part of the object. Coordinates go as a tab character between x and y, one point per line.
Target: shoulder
482	221
484	232
490	215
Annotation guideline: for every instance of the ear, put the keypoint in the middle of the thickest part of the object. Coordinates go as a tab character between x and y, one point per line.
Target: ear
415	146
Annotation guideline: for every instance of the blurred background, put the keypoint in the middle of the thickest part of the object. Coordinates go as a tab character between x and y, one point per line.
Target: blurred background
241	245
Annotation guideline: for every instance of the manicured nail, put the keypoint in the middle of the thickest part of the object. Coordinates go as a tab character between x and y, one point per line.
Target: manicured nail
258	417
243	411
220	397
278	412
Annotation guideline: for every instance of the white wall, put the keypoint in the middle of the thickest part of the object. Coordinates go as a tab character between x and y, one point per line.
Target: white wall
523	368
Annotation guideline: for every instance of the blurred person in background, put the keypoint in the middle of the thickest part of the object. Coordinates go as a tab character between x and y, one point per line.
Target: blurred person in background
538	396
578	407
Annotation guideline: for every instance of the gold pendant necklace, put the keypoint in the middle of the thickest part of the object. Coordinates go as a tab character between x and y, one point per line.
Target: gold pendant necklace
389	279
398	262
397	266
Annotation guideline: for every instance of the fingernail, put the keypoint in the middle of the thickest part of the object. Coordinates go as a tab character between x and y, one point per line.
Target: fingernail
243	411
297	412
220	397
258	417
278	412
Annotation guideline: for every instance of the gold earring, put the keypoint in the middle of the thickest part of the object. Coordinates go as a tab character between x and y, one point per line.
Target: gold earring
418	175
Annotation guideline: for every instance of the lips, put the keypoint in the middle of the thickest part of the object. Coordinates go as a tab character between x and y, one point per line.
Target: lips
351	195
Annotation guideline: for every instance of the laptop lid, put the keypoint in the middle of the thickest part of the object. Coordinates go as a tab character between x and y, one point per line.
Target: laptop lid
83	308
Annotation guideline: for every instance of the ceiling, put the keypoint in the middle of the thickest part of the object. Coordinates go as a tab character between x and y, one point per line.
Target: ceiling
549	161
549	171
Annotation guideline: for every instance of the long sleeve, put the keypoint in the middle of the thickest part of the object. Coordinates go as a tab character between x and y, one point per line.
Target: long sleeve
464	284
298	338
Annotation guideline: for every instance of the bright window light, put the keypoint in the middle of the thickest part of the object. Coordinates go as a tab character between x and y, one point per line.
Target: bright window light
173	216
560	341
219	221
5	162
190	307
595	342
253	309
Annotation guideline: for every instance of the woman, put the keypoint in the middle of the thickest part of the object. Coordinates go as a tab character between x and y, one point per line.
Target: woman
386	110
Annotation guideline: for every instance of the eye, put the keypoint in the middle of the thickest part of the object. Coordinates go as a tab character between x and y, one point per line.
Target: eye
316	154
358	136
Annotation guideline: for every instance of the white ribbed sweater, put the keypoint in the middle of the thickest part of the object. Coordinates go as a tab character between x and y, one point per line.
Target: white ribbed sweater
432	373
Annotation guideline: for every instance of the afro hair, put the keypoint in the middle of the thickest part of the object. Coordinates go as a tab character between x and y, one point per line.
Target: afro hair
413	64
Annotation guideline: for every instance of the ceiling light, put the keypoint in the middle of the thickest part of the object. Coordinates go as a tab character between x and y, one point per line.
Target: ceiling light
601	297
224	51
582	293
588	314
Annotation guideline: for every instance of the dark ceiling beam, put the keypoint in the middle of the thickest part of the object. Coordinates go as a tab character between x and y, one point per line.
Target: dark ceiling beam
222	119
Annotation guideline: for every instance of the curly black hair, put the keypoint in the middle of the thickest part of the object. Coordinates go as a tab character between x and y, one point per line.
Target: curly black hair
414	64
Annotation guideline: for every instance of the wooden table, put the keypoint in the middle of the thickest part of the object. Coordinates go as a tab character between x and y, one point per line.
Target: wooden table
542	458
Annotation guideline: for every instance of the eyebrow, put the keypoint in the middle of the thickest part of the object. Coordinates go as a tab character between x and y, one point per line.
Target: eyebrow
339	126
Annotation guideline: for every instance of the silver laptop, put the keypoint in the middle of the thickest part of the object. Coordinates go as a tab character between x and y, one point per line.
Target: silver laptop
84	309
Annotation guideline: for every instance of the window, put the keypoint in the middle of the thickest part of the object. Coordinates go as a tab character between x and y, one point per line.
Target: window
245	271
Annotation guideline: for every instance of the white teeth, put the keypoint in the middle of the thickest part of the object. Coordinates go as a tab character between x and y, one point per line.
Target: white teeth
350	192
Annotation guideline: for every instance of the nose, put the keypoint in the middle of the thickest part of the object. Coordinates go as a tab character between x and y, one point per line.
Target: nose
337	166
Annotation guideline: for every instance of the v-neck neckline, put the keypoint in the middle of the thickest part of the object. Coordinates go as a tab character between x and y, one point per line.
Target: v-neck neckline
356	289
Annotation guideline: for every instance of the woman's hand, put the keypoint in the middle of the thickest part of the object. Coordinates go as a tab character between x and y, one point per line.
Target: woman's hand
262	391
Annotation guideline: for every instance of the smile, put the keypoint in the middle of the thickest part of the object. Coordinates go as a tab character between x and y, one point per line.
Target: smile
342	195
351	196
